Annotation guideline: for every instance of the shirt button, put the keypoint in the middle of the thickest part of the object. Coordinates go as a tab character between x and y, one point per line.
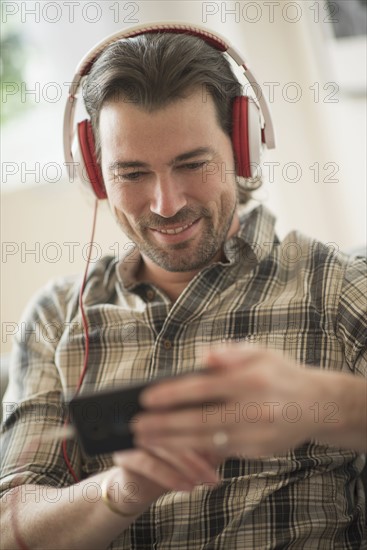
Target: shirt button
167	344
150	295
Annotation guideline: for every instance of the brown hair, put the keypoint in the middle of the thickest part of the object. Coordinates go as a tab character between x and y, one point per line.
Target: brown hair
154	69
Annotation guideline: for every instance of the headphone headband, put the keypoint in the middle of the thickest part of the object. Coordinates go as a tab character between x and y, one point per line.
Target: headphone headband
177	28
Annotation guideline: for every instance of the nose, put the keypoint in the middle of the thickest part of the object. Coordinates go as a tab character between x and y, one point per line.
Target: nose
168	196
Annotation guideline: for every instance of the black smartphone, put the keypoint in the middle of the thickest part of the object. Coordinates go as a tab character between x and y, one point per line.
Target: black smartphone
102	419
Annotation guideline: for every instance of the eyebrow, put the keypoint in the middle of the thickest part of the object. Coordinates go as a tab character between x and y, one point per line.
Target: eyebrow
140	164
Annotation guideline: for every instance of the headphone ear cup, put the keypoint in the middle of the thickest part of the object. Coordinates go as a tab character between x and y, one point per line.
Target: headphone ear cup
89	170
246	136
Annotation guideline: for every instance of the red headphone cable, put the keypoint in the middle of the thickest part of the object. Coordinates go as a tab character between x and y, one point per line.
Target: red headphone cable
86	334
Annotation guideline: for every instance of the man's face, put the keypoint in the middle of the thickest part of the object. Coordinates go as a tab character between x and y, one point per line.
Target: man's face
170	179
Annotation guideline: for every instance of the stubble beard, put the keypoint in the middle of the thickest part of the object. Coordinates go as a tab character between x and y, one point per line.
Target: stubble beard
184	256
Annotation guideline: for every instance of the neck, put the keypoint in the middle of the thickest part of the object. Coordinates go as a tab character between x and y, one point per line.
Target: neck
172	283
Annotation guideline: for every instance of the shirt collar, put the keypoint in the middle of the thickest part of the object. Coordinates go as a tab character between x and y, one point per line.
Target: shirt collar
257	230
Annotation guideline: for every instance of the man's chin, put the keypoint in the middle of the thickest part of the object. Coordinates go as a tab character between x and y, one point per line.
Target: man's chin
179	267
183	261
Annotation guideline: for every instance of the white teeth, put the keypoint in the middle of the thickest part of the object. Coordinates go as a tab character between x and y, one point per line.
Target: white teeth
174	231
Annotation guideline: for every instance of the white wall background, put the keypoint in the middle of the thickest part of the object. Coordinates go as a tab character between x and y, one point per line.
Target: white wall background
287	45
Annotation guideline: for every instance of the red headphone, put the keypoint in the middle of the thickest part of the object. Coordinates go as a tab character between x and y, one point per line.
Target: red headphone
252	125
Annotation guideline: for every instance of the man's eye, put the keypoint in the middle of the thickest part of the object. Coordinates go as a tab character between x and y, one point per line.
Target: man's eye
132	176
194	165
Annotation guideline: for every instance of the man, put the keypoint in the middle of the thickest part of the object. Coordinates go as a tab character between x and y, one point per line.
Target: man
270	453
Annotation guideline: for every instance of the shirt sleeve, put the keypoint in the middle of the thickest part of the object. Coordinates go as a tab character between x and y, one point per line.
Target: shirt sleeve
352	315
33	404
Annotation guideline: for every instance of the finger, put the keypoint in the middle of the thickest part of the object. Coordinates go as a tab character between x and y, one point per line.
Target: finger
213	458
229	365
233	446
193	466
233	355
209	416
203	443
148	465
186	391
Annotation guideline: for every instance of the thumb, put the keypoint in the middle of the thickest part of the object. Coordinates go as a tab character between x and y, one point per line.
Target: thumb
232	356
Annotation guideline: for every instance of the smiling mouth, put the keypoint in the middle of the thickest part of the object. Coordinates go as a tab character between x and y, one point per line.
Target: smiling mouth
175	230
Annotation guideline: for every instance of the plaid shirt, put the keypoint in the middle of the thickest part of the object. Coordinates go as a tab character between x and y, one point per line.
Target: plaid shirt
298	296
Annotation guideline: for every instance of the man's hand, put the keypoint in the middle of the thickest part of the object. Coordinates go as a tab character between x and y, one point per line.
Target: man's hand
147	474
254	403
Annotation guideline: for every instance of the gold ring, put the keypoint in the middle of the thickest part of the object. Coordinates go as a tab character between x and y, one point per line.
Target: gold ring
220	439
